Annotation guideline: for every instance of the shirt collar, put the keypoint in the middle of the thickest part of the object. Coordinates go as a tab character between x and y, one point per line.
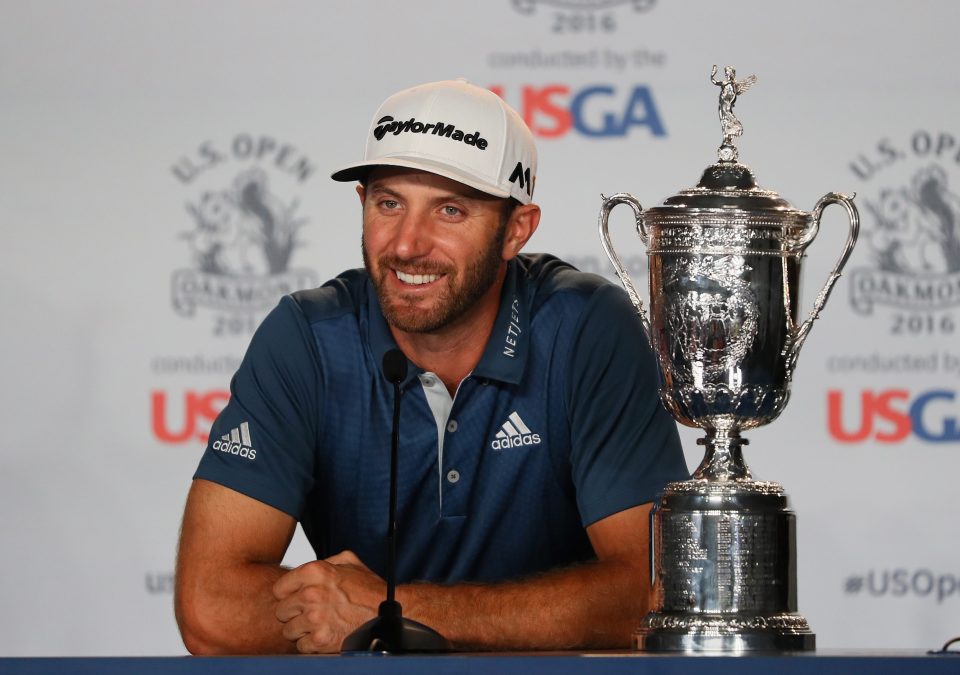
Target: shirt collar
505	355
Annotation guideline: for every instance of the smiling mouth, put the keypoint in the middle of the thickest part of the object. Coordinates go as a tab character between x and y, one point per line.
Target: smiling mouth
416	279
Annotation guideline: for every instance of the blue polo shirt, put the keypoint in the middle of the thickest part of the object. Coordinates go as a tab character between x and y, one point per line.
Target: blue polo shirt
558	426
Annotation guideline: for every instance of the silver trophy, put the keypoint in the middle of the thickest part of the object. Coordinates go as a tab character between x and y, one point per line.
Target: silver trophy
724	272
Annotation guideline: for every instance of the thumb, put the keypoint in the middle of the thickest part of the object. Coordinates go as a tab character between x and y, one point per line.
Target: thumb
345	558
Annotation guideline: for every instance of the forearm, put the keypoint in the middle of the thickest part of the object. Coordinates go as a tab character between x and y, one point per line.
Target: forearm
230	610
594	605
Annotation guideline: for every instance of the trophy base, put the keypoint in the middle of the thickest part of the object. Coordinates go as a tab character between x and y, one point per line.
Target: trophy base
729	632
725	571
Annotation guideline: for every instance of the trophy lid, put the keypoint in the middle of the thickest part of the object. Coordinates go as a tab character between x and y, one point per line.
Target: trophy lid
728	185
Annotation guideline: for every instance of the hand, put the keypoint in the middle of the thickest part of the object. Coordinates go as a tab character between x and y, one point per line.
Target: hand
323	601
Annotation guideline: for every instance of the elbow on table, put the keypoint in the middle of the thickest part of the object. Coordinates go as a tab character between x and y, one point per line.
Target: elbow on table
197	625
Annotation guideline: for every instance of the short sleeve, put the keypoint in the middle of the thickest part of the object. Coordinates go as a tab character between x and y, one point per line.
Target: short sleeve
263	442
624	445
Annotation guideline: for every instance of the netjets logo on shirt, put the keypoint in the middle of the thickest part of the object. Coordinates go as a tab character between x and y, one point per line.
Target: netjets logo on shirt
237	442
388	125
513	434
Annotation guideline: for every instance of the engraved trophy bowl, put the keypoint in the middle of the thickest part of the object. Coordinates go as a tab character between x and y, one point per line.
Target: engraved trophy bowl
724	278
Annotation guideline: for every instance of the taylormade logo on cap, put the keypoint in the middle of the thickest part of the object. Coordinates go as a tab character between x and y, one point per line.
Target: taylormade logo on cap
456	130
387	125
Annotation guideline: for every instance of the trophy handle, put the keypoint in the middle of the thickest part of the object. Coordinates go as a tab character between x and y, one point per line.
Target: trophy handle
800	335
652	538
605	209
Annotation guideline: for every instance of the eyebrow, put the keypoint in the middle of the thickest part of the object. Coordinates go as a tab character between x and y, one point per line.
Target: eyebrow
474	195
379	189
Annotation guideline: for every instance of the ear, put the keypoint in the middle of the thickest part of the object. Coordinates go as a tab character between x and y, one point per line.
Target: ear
362	191
521	226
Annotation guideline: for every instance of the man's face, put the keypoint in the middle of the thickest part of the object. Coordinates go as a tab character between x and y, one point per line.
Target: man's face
433	248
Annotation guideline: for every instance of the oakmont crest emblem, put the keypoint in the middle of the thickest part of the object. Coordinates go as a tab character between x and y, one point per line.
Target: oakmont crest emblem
244	229
912	229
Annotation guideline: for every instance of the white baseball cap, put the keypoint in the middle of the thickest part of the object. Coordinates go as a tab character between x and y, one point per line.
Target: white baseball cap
456	130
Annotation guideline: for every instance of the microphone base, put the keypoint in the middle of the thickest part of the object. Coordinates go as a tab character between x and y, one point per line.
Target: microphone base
391	633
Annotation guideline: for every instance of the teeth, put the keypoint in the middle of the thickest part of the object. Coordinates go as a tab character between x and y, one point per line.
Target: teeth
416	279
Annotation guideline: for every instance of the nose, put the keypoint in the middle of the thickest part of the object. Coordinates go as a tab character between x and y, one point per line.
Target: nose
412	235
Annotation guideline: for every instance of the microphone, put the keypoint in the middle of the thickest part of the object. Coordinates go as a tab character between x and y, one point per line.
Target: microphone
394	369
394	366
389	632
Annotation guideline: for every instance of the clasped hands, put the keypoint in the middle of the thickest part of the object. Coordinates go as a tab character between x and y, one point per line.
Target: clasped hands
323	601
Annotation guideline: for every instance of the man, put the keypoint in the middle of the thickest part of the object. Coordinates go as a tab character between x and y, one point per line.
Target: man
532	437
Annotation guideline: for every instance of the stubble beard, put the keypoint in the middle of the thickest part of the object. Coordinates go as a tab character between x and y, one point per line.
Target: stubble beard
455	299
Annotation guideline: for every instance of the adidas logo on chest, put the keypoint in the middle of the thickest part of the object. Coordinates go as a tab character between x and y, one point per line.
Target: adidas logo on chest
514	434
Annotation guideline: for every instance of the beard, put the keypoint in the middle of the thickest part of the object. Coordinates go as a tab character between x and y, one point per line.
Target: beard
460	292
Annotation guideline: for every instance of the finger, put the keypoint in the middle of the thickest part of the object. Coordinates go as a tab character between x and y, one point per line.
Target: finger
297	578
308	598
296	628
289	608
313	635
313	644
288	584
345	558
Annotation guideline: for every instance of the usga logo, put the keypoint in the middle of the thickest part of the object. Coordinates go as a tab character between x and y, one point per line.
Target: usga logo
596	110
199	410
514	434
890	416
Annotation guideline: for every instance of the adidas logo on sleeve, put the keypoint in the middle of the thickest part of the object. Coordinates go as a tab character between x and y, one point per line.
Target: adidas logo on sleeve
237	442
514	434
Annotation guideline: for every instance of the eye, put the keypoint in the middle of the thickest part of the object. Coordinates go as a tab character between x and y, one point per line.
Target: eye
451	211
389	204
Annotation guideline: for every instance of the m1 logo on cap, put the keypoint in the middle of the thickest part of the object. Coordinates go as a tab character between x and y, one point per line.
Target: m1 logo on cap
388	124
522	175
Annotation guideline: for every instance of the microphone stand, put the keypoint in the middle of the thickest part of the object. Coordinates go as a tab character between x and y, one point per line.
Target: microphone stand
389	632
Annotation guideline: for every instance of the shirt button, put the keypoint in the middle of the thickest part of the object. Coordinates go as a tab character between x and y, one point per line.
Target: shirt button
428	380
452	426
453	475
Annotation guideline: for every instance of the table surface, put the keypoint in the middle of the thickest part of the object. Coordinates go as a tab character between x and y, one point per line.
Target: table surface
528	663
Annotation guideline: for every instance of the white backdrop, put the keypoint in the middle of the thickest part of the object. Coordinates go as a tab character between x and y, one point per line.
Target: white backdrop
127	127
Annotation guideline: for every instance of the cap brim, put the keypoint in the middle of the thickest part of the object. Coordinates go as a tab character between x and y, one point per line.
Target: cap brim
359	170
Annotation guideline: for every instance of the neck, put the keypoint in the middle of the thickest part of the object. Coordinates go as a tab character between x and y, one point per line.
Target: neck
453	351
